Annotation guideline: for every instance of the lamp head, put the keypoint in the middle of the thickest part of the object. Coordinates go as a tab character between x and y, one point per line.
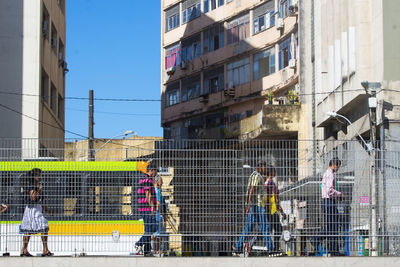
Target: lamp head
331	114
365	84
129	132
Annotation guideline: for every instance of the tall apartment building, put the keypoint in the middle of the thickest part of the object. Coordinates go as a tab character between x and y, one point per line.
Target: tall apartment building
222	61
32	75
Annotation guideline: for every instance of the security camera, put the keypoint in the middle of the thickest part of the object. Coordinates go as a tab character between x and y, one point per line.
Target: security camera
365	84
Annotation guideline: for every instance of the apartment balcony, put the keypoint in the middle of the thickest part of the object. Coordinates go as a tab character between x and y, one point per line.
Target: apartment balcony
275	121
278	121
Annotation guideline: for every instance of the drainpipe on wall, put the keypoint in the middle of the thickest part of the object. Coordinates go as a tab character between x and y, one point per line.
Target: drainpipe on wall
313	90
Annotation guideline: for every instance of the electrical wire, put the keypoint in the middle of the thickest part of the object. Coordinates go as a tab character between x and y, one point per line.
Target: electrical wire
86	98
114	113
48	124
158	100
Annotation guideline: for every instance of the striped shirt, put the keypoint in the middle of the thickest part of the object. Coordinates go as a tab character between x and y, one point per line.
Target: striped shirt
145	184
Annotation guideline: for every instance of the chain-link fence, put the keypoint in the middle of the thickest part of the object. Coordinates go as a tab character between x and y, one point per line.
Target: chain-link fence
231	197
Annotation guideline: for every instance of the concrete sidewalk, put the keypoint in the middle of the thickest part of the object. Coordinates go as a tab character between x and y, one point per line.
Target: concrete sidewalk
200	261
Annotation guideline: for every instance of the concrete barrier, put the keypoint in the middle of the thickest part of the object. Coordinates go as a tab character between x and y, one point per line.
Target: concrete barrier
200	261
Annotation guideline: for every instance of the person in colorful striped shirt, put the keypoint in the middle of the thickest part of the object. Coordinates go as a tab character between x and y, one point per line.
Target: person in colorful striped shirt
146	203
273	207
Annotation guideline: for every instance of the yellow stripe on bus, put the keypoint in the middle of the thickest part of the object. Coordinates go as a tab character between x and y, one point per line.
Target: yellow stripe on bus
91	227
95	229
74	165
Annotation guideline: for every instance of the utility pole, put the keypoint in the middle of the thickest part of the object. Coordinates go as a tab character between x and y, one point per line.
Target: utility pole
370	89
91	123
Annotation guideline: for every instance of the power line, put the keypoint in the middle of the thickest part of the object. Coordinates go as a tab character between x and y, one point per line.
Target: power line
86	98
20	113
158	100
114	99
114	113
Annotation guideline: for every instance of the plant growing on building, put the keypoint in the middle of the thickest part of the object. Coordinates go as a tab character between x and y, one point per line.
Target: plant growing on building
293	97
270	96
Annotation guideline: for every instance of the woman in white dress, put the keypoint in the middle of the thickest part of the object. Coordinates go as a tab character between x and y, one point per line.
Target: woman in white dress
33	221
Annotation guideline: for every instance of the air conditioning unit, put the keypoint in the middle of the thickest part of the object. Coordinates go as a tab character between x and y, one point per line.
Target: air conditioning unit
203	99
170	71
183	65
292	63
230	90
294	4
63	64
280	23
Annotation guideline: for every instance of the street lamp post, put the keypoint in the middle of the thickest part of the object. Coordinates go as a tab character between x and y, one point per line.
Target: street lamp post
112	138
370	89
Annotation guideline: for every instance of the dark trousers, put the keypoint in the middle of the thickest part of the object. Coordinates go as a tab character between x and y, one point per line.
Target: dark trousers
149	229
331	220
275	225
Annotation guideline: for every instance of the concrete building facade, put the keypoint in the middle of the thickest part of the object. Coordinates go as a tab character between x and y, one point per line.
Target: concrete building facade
32	74
343	44
230	69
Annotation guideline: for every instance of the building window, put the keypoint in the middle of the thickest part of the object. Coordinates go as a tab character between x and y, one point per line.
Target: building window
238	72
190	10
212	4
284	53
191	48
263	17
61	4
213	81
172	56
238	29
191	88
213	38
60	108
53	98
206	6
284	6
172	19
172	94
54	37
61	54
264	63
215	120
45	23
45	86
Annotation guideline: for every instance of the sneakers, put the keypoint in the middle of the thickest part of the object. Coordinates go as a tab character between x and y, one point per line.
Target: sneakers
139	250
247	250
235	252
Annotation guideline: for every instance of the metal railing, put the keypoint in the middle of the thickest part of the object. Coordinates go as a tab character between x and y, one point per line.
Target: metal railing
93	205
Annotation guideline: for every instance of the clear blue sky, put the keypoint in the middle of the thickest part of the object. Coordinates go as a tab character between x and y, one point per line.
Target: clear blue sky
113	47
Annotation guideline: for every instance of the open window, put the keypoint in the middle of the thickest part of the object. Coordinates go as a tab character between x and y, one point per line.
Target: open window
45	23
